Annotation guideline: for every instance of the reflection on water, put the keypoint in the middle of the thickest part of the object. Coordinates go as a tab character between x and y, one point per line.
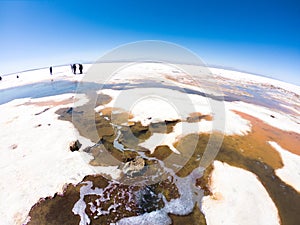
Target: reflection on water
42	89
253	94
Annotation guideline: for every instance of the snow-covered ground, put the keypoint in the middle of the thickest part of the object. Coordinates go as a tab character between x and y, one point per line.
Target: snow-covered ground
279	120
41	75
290	172
148	107
33	165
238	198
35	157
251	78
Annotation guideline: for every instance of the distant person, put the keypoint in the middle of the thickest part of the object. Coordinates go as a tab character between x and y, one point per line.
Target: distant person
50	70
80	68
17	76
74	68
0	78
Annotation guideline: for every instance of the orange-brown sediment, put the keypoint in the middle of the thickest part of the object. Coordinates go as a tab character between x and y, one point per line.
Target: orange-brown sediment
263	132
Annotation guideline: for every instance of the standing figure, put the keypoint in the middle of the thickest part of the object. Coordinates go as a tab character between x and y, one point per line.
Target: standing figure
0	78
74	68
80	68
50	70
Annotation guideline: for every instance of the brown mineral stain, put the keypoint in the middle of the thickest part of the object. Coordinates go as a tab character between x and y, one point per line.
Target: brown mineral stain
161	152
128	200
250	152
263	132
197	117
102	99
52	102
56	210
196	217
285	197
191	148
253	153
205	181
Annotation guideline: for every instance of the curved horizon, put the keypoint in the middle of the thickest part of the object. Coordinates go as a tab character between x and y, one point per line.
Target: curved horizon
254	36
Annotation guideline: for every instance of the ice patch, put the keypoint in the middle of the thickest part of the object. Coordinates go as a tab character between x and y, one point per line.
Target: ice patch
189	195
158	217
237	198
40	164
290	172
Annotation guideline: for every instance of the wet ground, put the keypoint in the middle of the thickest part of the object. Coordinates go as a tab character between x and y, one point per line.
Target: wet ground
250	152
261	95
107	201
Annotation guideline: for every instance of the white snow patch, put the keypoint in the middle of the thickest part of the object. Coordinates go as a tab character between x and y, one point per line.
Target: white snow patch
290	172
181	129
155	218
173	105
183	205
248	77
235	124
35	159
282	121
238	198
41	75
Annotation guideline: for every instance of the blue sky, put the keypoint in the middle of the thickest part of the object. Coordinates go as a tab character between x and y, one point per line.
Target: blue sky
257	36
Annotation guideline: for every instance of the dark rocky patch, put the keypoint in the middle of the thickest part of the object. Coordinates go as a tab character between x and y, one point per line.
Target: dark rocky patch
161	152
102	99
116	202
197	117
196	217
13	146
165	127
56	210
42	112
204	181
75	146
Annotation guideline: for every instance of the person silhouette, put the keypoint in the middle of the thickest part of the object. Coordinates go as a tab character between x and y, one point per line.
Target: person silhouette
0	78
74	68
80	68
50	70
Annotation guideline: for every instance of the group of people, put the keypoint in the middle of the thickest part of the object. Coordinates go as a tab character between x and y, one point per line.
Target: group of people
73	68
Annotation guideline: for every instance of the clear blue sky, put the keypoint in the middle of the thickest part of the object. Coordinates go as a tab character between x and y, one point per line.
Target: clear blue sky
257	36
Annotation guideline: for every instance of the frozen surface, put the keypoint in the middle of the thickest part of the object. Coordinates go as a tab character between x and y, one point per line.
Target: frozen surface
238	198
279	120
35	159
251	78
290	172
41	75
